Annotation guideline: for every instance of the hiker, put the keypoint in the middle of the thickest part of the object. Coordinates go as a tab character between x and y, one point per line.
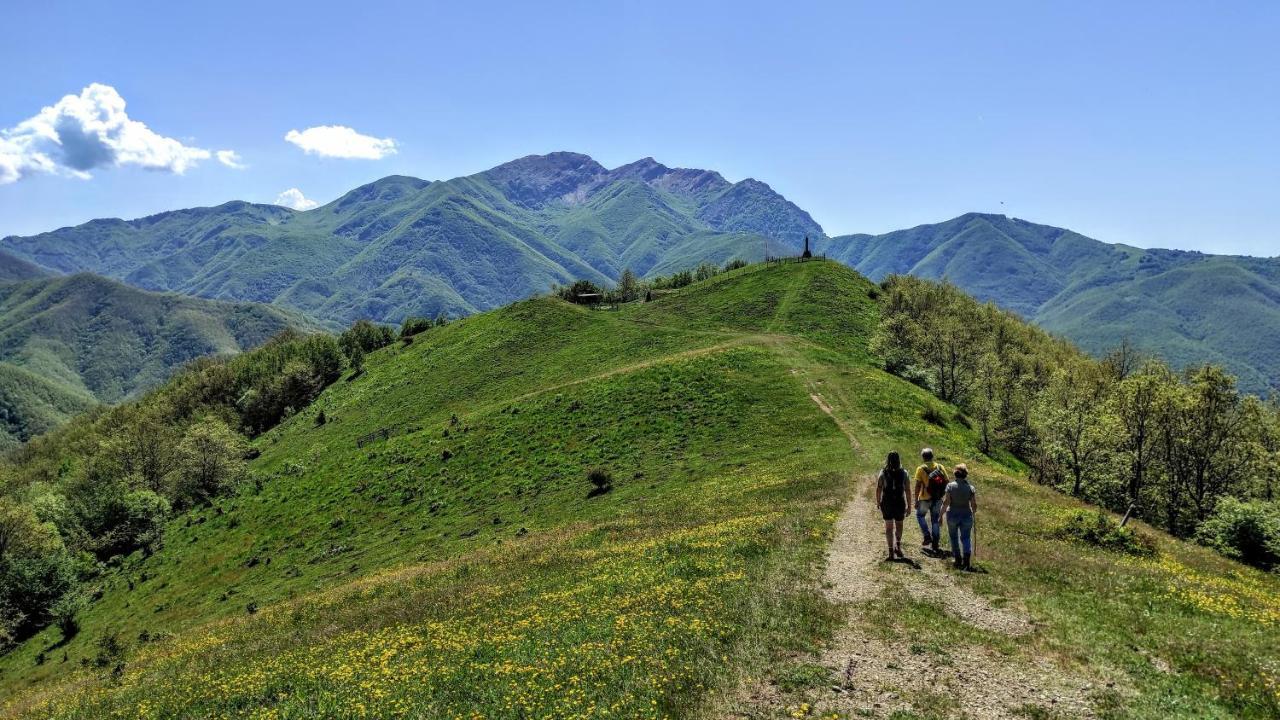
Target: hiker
893	495
959	504
931	485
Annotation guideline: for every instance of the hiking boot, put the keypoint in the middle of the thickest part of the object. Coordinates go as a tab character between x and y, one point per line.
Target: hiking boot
935	548
899	552
967	566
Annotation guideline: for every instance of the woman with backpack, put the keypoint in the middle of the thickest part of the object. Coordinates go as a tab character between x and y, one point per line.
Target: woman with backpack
892	497
959	505
931	485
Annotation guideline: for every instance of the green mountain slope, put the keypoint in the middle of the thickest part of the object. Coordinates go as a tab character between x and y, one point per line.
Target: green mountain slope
69	342
31	405
434	549
1187	307
13	269
403	246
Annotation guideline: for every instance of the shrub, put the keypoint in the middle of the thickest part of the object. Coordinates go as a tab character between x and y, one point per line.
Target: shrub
601	480
1100	530
933	416
734	264
66	613
414	325
582	291
1246	531
366	336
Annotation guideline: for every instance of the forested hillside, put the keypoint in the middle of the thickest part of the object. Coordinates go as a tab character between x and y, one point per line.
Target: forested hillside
67	343
549	510
1186	307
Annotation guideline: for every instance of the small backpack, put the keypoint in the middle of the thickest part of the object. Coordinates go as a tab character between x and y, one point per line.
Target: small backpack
894	481
937	485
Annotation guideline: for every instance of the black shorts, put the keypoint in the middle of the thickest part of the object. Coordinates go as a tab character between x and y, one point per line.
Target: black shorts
893	510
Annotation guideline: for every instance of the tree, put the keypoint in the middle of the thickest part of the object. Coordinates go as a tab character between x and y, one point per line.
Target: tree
144	441
35	570
1137	405
628	286
1077	434
210	459
366	336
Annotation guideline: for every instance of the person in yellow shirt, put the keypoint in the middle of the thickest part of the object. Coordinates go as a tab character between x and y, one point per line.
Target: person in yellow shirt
931	486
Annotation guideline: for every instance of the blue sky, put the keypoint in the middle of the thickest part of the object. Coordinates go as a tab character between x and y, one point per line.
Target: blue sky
1154	123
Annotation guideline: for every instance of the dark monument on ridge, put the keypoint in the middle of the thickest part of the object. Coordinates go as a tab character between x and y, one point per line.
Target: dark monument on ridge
806	254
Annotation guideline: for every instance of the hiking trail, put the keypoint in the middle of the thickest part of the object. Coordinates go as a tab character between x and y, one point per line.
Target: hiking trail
874	676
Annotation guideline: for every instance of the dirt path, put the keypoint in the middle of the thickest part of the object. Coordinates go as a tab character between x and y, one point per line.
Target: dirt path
874	676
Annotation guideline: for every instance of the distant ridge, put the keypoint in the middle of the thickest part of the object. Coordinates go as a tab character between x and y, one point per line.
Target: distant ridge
1188	307
68	343
403	246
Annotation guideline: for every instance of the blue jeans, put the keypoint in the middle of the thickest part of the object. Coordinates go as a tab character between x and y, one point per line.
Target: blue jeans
934	508
960	522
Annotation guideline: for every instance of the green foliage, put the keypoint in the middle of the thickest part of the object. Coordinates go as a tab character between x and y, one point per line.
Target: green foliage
1100	530
413	325
1246	531
1123	431
583	292
365	337
210	461
695	571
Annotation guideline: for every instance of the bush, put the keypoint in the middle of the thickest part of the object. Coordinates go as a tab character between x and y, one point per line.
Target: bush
933	416
600	479
366	336
414	325
582	291
1246	531
1100	530
66	613
734	264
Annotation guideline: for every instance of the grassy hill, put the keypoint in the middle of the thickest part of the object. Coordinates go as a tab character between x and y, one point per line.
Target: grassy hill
67	343
403	246
1187	307
434	549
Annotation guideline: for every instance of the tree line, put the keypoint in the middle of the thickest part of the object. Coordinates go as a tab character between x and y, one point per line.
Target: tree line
75	501
1186	451
630	287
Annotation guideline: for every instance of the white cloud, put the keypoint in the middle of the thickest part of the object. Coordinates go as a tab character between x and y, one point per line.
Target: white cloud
84	132
293	198
231	159
341	142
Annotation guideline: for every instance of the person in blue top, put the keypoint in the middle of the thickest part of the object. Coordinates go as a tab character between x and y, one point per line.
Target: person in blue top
959	503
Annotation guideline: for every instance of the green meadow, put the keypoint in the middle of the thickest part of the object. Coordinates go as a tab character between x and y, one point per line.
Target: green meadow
434	549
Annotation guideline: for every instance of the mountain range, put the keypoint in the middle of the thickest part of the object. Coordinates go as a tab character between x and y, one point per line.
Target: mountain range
403	246
1187	307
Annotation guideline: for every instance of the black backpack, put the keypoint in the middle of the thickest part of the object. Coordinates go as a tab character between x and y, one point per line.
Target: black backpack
895	482
937	484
